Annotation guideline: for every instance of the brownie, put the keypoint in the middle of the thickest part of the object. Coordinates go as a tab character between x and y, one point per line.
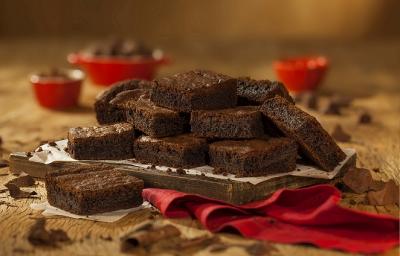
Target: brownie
156	121
257	157
112	142
314	142
255	92
109	114
125	98
179	151
233	123
195	90
93	189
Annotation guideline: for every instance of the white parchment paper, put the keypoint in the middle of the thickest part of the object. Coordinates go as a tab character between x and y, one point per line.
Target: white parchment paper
49	154
113	216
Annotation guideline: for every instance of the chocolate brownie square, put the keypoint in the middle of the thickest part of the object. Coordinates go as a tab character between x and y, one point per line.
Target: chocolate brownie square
240	123
124	99
195	90
179	151
256	157
93	189
255	92
156	121
110	142
314	142
107	113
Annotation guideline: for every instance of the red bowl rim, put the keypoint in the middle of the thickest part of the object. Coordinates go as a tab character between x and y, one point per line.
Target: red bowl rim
80	58
75	75
302	63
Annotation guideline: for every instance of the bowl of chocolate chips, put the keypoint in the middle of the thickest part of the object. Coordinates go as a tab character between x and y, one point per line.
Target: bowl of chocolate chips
115	60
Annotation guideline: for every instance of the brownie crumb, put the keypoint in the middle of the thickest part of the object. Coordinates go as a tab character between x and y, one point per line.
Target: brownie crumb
340	135
376	169
153	166
169	170
180	171
52	143
22	181
203	174
39	236
3	163
17	193
66	149
330	107
365	118
224	174
29	154
40	149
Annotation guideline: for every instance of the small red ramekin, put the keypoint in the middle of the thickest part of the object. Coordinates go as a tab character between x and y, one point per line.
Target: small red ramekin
301	74
108	70
58	93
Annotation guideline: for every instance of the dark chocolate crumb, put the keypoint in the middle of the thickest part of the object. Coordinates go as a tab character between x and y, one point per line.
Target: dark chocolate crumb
298	169
3	163
365	118
180	171
203	174
17	193
29	154
66	149
330	107
52	143
224	174
169	170
340	135
376	169
40	149
153	166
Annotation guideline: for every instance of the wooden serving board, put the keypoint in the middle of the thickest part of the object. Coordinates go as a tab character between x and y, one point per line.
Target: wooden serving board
232	191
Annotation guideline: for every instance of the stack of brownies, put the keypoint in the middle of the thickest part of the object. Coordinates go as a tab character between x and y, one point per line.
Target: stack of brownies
236	125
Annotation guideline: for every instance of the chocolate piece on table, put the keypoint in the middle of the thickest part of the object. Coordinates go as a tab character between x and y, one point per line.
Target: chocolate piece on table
314	142
156	121
255	92
179	151
388	195
360	180
107	113
93	189
110	142
340	135
365	118
195	90
254	157
233	123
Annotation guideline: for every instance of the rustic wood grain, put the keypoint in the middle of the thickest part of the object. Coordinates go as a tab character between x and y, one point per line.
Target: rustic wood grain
356	70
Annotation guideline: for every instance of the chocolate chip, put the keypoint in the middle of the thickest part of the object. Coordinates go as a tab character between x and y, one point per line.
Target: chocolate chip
40	149
153	166
340	135
29	154
365	118
169	170
180	171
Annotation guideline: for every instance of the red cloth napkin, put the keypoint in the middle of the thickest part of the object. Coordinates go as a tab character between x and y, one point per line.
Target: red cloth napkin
309	215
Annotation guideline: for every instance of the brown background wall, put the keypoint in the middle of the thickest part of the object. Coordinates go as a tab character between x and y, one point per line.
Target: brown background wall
205	20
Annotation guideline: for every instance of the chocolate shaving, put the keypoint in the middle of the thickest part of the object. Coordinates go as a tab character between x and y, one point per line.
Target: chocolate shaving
180	171
388	195
22	181
340	135
146	236
3	163
365	118
39	236
360	180
17	193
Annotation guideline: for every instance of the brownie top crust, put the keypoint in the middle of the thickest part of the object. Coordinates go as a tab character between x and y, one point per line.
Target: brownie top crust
125	85
247	147
145	104
192	80
99	131
257	91
237	111
125	98
181	140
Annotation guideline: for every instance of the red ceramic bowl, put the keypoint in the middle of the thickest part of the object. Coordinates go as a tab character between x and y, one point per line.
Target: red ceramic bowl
57	92
108	70
302	73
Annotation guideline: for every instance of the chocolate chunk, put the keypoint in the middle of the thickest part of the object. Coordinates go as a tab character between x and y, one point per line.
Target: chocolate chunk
388	195
17	193
340	135
180	171
22	181
365	118
360	180
29	154
146	236
3	163
39	236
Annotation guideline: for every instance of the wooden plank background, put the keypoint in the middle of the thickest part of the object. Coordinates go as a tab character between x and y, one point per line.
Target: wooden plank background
368	71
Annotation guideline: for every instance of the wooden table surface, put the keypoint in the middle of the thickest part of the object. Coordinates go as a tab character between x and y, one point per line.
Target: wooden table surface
367	71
